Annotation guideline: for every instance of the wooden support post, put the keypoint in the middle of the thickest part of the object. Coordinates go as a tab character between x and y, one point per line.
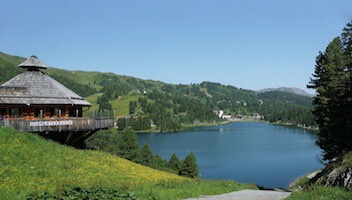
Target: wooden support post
59	120
101	118
68	137
41	118
77	120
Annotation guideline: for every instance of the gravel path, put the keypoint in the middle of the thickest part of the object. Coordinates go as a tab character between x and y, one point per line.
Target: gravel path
247	195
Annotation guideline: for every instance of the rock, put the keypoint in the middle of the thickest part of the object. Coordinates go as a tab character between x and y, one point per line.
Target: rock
337	173
336	178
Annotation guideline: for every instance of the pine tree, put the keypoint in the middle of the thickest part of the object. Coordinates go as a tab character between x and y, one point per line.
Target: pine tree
99	140
104	103
158	163
189	166
332	81
127	146
146	155
121	124
132	107
346	38
175	163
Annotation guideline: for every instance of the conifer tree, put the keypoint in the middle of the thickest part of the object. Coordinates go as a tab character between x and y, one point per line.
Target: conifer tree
332	81
346	38
146	155
132	107
189	166
121	124
104	103
158	163
175	163
127	146
99	140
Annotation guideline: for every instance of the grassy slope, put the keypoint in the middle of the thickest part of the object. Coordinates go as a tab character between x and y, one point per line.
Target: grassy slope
81	77
10	58
120	105
30	163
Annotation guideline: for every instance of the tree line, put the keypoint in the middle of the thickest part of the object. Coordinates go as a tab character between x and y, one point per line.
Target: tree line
179	105
124	144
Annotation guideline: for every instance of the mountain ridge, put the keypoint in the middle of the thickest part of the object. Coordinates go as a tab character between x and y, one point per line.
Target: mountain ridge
13	60
166	103
293	90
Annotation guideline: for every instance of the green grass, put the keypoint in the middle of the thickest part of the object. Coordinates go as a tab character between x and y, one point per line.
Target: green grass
121	105
301	182
93	100
82	77
322	193
30	164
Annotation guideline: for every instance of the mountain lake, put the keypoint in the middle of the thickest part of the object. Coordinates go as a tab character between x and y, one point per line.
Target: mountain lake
253	152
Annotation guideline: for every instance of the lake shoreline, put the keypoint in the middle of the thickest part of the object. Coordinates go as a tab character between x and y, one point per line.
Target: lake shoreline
254	152
185	127
297	184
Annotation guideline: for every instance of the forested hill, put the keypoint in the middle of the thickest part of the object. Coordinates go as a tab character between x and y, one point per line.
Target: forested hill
169	105
288	90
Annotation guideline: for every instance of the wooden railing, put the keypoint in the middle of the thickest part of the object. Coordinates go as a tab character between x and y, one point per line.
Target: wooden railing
58	125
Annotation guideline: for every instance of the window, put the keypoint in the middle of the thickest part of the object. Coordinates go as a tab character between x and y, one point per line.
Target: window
72	112
75	112
2	114
15	112
3	111
54	112
37	112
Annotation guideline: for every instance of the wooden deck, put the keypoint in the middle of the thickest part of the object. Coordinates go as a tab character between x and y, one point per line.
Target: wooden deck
60	125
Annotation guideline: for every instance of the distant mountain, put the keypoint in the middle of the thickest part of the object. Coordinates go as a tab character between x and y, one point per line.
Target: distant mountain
287	89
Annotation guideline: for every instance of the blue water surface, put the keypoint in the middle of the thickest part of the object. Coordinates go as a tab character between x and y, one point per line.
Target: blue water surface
254	152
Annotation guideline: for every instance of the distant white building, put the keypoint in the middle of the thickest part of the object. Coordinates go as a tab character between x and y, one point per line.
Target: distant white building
226	116
221	113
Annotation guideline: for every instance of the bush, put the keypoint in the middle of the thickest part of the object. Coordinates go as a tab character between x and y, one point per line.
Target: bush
82	193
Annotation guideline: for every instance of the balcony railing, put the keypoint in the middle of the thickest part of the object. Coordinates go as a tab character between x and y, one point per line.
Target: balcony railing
60	125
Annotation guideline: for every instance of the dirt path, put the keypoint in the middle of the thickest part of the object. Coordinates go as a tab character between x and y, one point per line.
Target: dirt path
247	195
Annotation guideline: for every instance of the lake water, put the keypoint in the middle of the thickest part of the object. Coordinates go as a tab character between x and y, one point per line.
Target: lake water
260	153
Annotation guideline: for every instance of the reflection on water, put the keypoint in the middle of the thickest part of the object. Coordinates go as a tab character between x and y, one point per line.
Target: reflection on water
261	153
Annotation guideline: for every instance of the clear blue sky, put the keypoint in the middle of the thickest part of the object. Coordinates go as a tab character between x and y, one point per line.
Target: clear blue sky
251	44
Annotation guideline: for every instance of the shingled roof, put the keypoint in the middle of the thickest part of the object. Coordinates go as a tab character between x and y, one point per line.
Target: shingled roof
35	87
33	63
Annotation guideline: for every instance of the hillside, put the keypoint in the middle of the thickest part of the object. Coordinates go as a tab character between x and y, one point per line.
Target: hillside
8	66
32	165
288	90
180	104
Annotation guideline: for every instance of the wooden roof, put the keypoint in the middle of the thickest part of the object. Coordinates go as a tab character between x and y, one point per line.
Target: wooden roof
35	87
33	63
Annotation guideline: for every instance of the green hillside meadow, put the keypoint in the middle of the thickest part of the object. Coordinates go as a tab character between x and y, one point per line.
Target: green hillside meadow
32	165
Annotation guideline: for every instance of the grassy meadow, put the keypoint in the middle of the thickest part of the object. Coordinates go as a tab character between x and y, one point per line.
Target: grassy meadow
33	165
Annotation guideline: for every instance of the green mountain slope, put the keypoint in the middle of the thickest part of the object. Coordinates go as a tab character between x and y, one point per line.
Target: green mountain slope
8	66
182	104
288	90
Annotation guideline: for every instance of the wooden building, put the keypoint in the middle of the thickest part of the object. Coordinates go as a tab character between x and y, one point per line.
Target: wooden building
34	102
